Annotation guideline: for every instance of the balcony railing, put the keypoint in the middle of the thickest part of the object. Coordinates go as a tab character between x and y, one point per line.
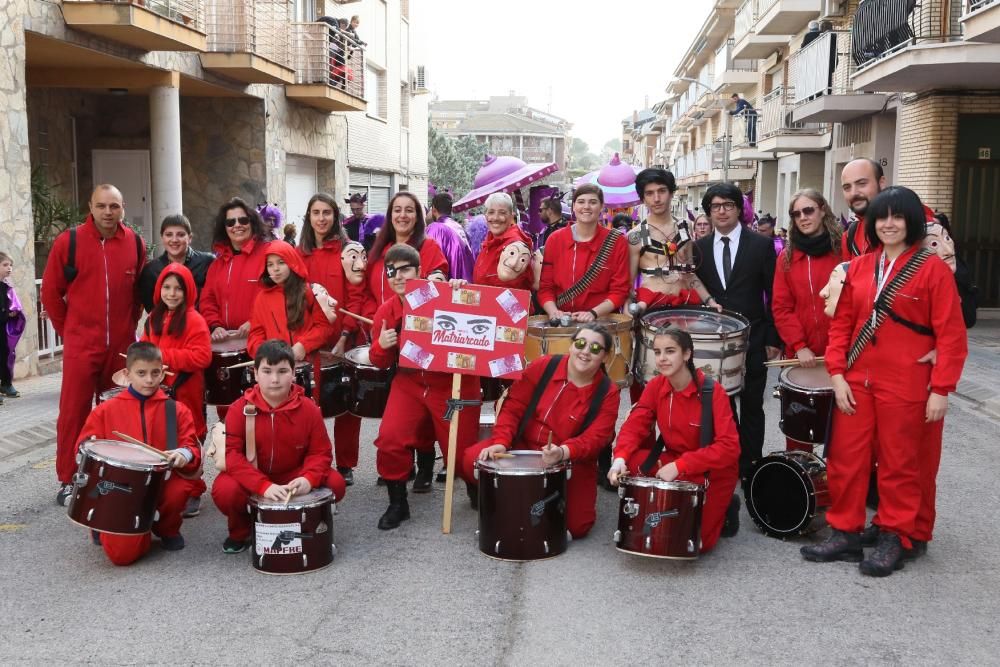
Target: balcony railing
824	67
49	342
746	17
775	116
319	56
744	129
250	26
185	12
979	4
724	61
880	31
718	157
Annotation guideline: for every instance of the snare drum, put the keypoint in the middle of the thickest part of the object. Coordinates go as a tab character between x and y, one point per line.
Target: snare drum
293	538
786	493
334	386
369	384
720	343
522	507
222	385
807	404
117	487
543	339
659	519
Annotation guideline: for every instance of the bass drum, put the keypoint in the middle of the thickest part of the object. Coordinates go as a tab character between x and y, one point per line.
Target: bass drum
543	339
786	493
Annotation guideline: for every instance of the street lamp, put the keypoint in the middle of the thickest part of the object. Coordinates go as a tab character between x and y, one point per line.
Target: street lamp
726	141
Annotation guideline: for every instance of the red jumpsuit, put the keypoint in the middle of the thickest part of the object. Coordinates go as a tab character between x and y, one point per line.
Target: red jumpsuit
857	241
561	409
565	261
485	271
145	420
891	392
291	442
96	315
654	299
417	403
232	284
431	260
682	433
347	427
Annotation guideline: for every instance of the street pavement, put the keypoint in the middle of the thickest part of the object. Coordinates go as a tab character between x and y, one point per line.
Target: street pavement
416	596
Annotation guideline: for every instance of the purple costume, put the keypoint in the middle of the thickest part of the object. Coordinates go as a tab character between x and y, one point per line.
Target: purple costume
475	230
451	237
14	323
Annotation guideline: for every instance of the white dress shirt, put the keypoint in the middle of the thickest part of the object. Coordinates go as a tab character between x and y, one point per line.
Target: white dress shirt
718	245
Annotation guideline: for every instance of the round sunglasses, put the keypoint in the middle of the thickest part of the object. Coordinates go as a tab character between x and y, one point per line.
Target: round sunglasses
595	348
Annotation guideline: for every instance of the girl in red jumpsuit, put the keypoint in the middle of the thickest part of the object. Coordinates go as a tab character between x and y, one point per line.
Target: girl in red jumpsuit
672	402
554	427
888	397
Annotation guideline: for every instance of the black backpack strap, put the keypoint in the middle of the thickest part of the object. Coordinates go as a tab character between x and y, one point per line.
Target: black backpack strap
140	256
179	381
707	428
595	404
536	396
171	409
69	270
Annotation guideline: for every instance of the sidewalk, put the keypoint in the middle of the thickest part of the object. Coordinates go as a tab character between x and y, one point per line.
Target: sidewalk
29	422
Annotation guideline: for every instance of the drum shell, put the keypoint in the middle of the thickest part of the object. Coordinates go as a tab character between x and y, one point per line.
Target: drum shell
542	339
642	532
334	386
806	412
116	511
508	528
369	392
223	385
315	520
492	388
787	494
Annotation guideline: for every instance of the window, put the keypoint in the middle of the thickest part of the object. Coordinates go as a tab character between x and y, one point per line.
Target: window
404	105
375	93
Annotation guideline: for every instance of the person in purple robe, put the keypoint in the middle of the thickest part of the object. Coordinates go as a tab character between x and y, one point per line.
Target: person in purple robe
451	237
12	323
475	231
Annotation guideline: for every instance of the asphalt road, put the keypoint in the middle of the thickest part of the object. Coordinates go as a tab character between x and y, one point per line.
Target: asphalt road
416	596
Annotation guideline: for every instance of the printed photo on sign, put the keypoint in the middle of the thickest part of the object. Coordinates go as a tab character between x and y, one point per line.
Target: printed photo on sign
469	297
417	323
278	538
464	330
510	335
509	364
422	295
459	360
417	354
512	306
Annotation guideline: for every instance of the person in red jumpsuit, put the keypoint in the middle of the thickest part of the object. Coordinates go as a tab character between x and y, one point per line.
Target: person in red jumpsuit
404	226
417	399
672	402
554	427
293	450
889	395
802	270
571	251
140	412
506	248
94	309
861	180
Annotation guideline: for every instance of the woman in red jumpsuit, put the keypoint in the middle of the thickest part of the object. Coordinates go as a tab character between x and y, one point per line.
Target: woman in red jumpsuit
887	395
503	232
554	427
672	402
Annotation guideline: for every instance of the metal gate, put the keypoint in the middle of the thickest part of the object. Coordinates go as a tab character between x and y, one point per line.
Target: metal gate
976	225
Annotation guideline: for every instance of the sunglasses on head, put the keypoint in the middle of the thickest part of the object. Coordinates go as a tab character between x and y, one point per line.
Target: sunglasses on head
804	211
243	220
595	348
391	271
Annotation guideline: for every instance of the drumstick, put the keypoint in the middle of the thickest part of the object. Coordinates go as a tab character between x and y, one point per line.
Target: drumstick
505	455
140	443
784	363
245	364
357	317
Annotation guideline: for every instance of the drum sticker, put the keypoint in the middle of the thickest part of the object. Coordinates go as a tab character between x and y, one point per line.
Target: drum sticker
512	306
538	508
510	335
653	520
417	354
468	297
509	364
470	330
417	323
278	538
104	487
418	297
459	360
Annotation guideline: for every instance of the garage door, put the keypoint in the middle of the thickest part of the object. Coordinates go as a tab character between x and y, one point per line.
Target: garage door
301	184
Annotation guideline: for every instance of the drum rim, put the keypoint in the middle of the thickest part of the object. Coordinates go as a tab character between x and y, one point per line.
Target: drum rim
789	460
519	472
350	360
656	482
651	555
784	380
261	503
710	311
153	466
613	322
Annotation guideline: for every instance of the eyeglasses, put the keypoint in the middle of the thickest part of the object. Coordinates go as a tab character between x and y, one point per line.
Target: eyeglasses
391	271
804	213
722	206
595	348
243	220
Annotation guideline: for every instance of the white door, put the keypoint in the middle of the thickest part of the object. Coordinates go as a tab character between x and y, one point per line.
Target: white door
301	184
129	172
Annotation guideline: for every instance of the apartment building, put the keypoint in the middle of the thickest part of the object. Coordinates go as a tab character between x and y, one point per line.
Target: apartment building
184	104
918	91
640	136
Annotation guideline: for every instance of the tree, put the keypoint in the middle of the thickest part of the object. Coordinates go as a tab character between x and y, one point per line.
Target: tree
453	163
611	146
580	156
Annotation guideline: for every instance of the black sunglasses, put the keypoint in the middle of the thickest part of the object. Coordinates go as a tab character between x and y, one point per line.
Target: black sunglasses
595	348
806	211
391	271
243	220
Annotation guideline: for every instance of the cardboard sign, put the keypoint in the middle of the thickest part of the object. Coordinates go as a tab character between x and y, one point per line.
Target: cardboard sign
474	330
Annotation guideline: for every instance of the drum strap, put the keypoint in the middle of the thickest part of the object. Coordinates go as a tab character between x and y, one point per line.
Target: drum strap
707	428
595	404
581	285
171	410
250	412
536	395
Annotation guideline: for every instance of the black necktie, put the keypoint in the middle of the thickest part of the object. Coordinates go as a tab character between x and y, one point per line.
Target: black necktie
727	260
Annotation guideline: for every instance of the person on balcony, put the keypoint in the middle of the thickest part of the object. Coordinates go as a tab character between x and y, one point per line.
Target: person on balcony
745	109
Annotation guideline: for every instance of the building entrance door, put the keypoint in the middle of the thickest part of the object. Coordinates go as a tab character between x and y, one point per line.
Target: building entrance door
129	172
975	224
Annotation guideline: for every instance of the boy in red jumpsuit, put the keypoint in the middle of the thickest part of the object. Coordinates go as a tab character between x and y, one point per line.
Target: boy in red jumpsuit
417	400
140	412
293	450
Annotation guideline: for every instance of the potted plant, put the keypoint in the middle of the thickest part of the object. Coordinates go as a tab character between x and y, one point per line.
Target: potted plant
50	214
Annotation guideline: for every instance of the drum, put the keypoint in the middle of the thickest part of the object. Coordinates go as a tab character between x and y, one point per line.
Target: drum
543	339
109	394
492	388
659	519
807	404
334	386
293	538
222	384
522	507
720	343
117	487
786	493
369	384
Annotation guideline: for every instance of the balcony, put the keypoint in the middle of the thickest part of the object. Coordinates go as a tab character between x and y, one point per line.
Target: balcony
248	40
329	71
786	17
820	74
777	131
981	21
147	25
733	75
923	52
739	170
747	41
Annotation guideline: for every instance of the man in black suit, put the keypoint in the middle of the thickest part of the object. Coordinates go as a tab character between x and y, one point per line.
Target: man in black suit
737	267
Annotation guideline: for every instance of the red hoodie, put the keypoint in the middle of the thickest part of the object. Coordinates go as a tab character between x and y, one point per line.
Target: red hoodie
144	420
485	272
325	267
190	352
291	442
232	284
268	318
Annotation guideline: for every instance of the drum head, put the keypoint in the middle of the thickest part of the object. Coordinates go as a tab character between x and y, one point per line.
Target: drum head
359	356
522	462
781	495
807	378
329	359
312	499
656	482
114	451
232	345
697	321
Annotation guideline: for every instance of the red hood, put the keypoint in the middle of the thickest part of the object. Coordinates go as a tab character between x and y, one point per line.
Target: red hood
295	397
513	233
190	288
292	258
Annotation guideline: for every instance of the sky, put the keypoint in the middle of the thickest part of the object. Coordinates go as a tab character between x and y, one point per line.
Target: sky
588	62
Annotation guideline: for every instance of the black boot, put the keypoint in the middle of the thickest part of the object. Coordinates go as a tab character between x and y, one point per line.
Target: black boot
731	526
839	546
472	490
887	557
869	536
398	510
425	472
919	549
